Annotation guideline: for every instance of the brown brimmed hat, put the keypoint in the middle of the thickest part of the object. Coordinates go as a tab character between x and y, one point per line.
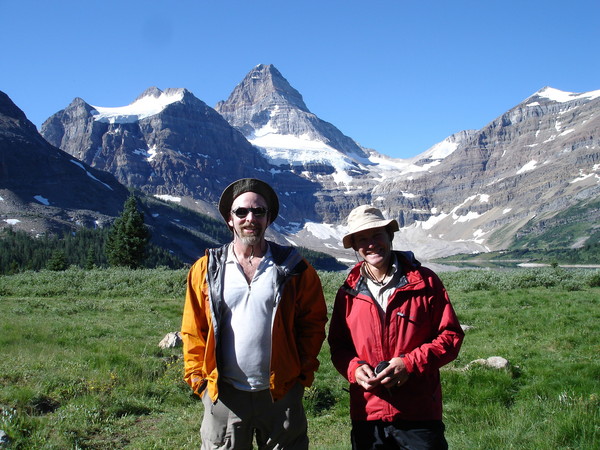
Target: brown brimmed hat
366	217
239	187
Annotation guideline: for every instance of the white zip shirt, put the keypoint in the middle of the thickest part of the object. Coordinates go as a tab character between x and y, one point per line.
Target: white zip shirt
246	327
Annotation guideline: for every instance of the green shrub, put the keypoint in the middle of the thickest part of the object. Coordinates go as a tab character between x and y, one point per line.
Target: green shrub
593	280
548	277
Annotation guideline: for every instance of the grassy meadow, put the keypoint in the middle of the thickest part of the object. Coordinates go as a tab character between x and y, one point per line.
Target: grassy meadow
80	365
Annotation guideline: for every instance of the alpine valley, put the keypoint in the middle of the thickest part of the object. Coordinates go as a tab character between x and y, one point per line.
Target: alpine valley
476	191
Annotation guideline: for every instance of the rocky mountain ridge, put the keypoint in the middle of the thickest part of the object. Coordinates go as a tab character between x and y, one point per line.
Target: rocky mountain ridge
472	192
171	145
265	105
44	190
537	159
477	188
36	178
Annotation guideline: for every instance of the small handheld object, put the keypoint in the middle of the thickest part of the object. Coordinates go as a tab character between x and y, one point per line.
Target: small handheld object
381	366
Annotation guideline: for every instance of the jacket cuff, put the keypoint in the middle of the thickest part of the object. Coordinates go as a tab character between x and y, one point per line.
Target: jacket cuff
354	364
408	363
198	385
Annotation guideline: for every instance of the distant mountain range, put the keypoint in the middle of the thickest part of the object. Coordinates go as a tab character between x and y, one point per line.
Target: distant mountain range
475	191
44	190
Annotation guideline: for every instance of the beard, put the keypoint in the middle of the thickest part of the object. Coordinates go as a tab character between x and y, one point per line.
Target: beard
251	240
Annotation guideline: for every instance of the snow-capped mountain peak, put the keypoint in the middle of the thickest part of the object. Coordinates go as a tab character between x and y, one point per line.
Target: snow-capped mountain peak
559	96
263	85
151	102
268	110
472	191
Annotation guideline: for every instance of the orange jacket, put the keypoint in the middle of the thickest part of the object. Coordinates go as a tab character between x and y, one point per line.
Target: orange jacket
298	328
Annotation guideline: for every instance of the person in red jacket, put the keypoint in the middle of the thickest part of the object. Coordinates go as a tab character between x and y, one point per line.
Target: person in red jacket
391	330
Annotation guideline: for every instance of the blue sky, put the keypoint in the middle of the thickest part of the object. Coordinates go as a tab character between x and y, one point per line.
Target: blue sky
396	76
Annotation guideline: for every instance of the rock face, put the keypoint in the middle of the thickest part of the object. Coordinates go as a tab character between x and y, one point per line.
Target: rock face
43	188
538	158
475	191
264	103
4	439
164	143
172	145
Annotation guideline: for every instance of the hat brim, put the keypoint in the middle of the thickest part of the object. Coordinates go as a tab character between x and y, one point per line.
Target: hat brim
391	224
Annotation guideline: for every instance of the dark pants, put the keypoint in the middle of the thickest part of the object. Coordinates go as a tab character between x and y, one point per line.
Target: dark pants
401	434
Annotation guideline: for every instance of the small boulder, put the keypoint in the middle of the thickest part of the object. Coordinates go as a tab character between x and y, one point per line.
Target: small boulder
495	362
4	439
171	340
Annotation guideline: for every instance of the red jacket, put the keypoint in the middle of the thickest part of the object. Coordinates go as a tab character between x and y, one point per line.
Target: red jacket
419	323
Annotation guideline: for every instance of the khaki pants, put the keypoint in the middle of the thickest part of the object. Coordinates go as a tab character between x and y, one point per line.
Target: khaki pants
238	416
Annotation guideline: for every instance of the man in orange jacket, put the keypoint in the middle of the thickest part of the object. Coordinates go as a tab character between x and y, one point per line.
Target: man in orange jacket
253	325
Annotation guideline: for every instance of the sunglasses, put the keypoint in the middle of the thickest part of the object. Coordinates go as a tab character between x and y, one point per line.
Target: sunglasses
243	212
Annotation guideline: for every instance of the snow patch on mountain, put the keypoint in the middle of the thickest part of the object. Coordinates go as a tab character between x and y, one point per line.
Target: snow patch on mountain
441	150
325	230
478	236
430	222
386	163
292	150
531	165
168	198
140	109
471	215
559	96
282	149
421	163
584	176
78	164
152	152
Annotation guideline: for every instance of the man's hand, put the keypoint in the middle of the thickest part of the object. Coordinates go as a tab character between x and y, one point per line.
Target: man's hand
394	375
366	378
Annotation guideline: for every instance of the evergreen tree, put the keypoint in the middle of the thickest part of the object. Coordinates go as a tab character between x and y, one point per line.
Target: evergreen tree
58	261
90	259
128	237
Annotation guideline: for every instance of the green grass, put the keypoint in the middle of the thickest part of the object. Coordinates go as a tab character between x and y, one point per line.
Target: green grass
81	367
549	398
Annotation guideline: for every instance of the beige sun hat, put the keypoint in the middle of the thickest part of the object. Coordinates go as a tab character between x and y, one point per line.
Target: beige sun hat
366	217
